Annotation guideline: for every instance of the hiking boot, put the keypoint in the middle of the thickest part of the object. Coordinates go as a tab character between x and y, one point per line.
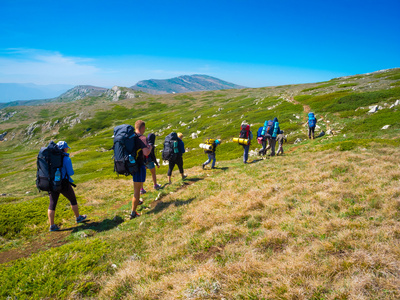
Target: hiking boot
184	176
140	202
142	191
203	165
213	167
81	218
157	186
133	215
54	228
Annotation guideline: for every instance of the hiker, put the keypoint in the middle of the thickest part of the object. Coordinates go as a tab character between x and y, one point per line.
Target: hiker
178	160
273	134
262	138
151	162
211	153
246	133
311	122
139	177
66	189
280	139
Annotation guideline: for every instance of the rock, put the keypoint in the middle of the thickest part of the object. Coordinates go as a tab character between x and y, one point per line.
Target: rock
297	117
344	135
386	127
3	135
165	163
373	109
397	102
194	135
183	124
114	266
329	132
298	140
198	131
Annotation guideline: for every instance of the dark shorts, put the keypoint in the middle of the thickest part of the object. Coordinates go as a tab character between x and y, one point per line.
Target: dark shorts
140	176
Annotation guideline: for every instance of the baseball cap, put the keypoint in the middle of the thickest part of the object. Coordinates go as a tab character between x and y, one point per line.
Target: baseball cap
62	145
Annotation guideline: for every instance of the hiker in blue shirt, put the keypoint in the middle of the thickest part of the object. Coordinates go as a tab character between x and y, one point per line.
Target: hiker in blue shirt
66	189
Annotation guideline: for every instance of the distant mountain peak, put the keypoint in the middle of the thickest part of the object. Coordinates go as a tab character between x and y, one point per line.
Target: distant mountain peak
184	84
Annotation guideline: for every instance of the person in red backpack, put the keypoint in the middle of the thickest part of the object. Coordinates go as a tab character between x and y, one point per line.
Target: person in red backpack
245	133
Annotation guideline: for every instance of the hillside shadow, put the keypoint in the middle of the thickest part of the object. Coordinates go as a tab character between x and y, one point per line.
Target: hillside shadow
160	206
106	224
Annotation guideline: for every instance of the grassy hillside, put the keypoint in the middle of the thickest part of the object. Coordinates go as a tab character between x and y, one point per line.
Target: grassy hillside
320	222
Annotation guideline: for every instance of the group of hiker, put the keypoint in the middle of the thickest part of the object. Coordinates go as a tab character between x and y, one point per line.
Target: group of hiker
134	153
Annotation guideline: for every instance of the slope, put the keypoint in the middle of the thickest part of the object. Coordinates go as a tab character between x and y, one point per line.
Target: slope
319	222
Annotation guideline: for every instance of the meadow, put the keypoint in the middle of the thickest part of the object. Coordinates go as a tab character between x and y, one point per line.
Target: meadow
319	222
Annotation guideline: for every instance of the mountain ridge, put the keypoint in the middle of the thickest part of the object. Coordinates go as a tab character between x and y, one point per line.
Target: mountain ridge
184	84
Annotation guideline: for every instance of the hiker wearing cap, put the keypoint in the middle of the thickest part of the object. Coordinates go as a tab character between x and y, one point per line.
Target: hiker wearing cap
66	189
280	139
140	176
151	162
179	160
211	154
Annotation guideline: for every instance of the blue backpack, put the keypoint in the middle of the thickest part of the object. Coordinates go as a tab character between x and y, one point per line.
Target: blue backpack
311	120
277	130
270	127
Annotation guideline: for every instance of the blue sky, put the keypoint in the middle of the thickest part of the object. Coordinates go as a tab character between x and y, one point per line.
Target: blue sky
252	43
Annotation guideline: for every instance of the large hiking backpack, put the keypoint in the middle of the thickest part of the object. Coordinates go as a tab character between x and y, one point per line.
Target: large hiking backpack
210	142
171	150
276	130
49	163
244	131
125	150
311	120
270	128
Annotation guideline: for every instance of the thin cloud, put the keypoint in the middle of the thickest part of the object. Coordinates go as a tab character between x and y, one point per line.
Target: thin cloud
34	65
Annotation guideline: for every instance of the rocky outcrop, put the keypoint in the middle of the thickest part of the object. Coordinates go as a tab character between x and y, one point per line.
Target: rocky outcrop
4	116
117	93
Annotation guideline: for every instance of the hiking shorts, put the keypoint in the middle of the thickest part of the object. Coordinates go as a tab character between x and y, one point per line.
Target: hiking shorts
150	165
140	176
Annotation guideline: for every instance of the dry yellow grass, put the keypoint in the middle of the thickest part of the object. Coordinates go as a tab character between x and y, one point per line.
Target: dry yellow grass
303	226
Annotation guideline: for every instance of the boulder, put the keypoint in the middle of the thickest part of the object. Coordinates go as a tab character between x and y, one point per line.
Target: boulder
194	135
386	127
329	132
373	109
297	141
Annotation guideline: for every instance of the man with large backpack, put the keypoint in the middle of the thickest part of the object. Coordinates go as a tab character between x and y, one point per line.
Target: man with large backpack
54	171
262	137
173	150
213	143
130	147
312	123
245	133
273	131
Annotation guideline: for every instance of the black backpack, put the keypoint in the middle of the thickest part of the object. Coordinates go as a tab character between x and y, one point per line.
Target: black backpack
244	131
171	150
125	150
49	162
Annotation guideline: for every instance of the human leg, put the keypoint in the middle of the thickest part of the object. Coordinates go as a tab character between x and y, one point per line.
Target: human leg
246	153
171	165
52	207
213	161
273	143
